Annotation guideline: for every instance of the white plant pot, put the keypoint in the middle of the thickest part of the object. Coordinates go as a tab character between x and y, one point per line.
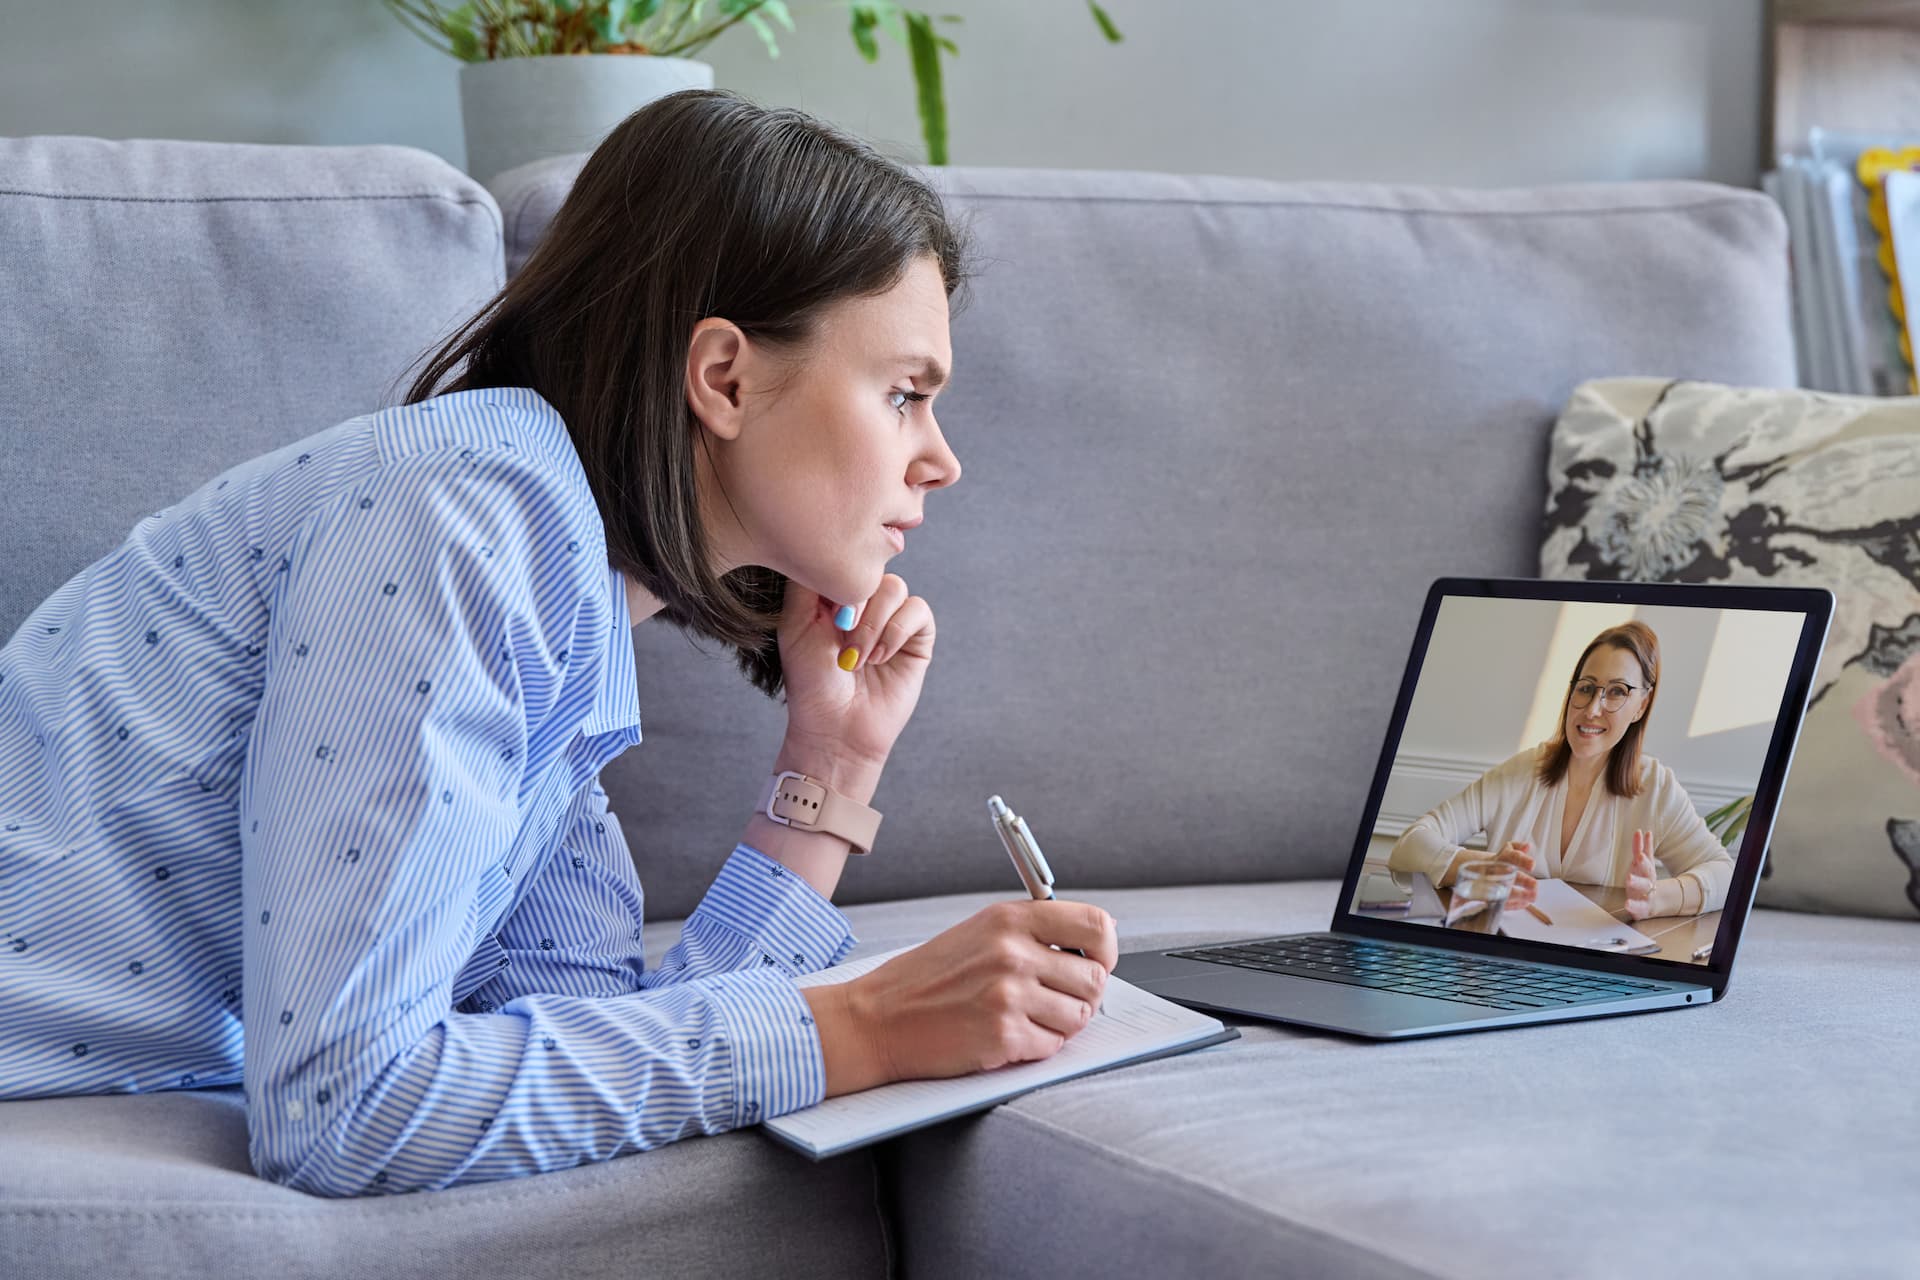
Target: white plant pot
516	110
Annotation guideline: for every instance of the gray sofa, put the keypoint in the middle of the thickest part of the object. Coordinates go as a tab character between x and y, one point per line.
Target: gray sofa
1218	434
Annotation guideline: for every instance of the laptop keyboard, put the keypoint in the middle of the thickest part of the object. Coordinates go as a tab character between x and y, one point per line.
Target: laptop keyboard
1438	975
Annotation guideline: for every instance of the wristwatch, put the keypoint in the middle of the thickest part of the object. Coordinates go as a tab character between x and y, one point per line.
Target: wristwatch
808	804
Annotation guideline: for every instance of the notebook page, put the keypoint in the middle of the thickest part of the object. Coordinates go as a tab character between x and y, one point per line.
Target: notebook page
1134	1023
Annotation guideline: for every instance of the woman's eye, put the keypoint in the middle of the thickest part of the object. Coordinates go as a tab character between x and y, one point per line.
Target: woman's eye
913	397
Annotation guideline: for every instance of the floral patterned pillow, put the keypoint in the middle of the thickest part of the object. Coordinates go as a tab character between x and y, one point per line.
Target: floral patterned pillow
1662	481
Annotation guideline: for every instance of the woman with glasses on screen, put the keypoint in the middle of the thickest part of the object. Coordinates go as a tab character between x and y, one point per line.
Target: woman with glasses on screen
1588	805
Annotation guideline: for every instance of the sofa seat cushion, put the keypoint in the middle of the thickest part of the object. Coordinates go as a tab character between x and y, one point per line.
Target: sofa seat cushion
90	1185
1770	1134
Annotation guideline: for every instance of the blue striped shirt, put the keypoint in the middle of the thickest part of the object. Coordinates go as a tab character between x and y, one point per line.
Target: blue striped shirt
316	752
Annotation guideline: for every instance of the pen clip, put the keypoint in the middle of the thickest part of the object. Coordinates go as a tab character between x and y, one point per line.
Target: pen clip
1038	859
1033	869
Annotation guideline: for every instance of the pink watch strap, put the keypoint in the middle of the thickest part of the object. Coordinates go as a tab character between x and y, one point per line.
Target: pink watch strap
808	804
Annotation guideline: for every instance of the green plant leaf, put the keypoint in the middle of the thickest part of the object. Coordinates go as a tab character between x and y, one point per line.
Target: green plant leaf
424	23
759	24
1106	24
925	51
947	44
778	8
461	37
864	21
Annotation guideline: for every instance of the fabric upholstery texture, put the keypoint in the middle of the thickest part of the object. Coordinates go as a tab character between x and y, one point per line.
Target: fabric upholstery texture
157	1185
174	308
1289	1148
1766	1135
1218	434
1651	479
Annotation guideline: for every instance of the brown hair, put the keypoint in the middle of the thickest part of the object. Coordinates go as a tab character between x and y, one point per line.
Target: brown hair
701	203
1623	762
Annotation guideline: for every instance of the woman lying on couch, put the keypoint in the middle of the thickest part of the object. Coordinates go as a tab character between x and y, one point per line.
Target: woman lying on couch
318	748
1594	806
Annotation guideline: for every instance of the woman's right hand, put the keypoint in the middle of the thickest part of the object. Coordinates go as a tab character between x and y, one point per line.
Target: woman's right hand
987	992
1525	887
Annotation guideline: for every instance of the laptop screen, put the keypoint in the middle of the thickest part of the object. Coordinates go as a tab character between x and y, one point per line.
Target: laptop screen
1579	772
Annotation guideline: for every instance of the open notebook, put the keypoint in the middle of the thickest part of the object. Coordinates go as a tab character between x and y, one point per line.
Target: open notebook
1134	1027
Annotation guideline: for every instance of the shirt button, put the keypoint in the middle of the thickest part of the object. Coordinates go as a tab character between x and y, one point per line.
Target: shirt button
296	1109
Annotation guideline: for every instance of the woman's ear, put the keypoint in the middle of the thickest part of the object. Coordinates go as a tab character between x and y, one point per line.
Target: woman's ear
714	355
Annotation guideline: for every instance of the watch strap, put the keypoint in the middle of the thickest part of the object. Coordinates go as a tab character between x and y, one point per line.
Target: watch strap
808	804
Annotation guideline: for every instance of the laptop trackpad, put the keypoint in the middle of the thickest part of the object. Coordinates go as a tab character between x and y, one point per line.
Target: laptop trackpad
1266	994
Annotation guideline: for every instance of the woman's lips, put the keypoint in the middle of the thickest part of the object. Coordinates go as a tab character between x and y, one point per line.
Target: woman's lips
896	537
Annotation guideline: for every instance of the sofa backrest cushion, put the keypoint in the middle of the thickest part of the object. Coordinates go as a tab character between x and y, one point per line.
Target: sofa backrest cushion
1217	436
174	308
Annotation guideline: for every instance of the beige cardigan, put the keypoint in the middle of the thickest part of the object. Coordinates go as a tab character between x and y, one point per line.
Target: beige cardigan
1509	802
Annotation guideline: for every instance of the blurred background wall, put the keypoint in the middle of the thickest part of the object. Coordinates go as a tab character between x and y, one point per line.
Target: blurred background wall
1474	92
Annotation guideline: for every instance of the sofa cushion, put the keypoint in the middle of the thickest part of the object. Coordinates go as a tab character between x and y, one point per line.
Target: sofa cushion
1218	436
1770	1134
174	308
88	1184
1784	1114
1654	480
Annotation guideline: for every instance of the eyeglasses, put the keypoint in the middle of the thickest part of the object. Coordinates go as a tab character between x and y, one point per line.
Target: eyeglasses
1613	699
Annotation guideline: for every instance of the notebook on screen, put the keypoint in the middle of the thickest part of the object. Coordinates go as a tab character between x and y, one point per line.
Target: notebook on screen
1568	817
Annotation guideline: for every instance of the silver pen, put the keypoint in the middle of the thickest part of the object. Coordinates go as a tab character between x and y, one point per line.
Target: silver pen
1023	849
1027	858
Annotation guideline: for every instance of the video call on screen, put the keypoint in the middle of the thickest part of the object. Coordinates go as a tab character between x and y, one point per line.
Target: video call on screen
1579	773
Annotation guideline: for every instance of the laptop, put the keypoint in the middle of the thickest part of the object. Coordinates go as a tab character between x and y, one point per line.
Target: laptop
1421	942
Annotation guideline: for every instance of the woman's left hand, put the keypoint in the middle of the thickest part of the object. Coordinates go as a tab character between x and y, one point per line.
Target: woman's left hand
1640	877
854	715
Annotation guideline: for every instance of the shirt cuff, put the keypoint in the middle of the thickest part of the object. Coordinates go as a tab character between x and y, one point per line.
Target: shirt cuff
778	1063
776	910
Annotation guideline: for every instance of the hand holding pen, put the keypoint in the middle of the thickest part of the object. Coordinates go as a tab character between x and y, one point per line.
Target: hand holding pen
1026	855
1005	985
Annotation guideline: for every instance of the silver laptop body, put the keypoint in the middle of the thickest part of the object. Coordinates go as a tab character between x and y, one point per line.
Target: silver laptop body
1382	977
